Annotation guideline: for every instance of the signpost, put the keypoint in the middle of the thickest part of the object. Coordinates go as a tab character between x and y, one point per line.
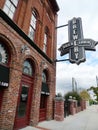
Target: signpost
77	44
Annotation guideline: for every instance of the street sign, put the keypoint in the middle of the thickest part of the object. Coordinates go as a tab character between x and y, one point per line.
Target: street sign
77	44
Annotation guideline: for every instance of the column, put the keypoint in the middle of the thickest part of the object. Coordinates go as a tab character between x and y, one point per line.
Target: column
59	109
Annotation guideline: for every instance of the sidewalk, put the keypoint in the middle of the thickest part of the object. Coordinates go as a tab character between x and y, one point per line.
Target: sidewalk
84	120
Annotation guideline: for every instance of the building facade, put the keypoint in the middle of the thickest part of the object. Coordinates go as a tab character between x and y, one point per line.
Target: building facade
27	68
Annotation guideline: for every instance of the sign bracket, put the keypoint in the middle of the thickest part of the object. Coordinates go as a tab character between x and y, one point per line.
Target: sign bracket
61	26
61	60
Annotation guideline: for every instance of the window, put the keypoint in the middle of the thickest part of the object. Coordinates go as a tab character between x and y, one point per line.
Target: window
23	101
3	54
10	7
32	28
43	77
27	68
43	101
46	36
45	43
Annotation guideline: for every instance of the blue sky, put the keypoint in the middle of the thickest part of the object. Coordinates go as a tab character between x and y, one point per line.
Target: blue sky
85	73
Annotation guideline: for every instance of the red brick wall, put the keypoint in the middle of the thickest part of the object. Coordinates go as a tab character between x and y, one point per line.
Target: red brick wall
14	42
23	21
59	109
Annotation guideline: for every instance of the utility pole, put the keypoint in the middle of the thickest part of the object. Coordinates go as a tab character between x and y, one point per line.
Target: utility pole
75	86
72	84
97	80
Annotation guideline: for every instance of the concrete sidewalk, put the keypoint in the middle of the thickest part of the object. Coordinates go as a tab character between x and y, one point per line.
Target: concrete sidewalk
84	120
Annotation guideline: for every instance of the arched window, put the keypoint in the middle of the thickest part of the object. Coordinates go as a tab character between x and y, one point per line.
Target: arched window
27	68
33	23
45	44
43	77
4	70
4	57
10	7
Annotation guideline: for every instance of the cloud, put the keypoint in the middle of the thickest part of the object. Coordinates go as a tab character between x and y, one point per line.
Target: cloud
85	73
85	76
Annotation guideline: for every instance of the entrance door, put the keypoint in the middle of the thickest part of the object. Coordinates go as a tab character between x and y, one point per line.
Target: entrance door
24	105
43	107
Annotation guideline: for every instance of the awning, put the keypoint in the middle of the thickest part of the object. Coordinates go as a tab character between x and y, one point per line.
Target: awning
45	89
4	76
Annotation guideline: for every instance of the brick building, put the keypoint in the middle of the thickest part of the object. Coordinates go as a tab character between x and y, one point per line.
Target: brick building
27	70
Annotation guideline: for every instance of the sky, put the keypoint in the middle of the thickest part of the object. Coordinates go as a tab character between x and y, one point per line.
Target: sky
85	73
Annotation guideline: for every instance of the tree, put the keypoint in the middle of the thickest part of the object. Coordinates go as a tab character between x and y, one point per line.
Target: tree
73	95
95	91
85	95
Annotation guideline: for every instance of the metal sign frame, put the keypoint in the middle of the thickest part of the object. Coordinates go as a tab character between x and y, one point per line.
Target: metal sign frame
77	44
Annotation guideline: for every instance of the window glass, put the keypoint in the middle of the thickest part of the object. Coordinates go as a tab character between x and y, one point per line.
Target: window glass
27	68
10	7
42	101
32	28
45	43
23	101
43	77
33	20
15	2
31	33
3	54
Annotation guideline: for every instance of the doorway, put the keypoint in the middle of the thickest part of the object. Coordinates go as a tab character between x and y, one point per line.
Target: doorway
23	109
24	104
43	107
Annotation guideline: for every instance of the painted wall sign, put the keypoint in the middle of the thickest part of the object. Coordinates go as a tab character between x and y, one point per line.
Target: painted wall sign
4	76
77	44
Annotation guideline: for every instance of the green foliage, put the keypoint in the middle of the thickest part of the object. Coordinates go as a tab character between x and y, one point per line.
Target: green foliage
85	95
91	102
73	94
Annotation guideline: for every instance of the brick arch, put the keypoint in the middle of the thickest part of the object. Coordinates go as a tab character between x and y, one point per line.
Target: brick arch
46	30
11	49
48	78
29	81
45	97
48	74
38	25
36	11
12	56
34	61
